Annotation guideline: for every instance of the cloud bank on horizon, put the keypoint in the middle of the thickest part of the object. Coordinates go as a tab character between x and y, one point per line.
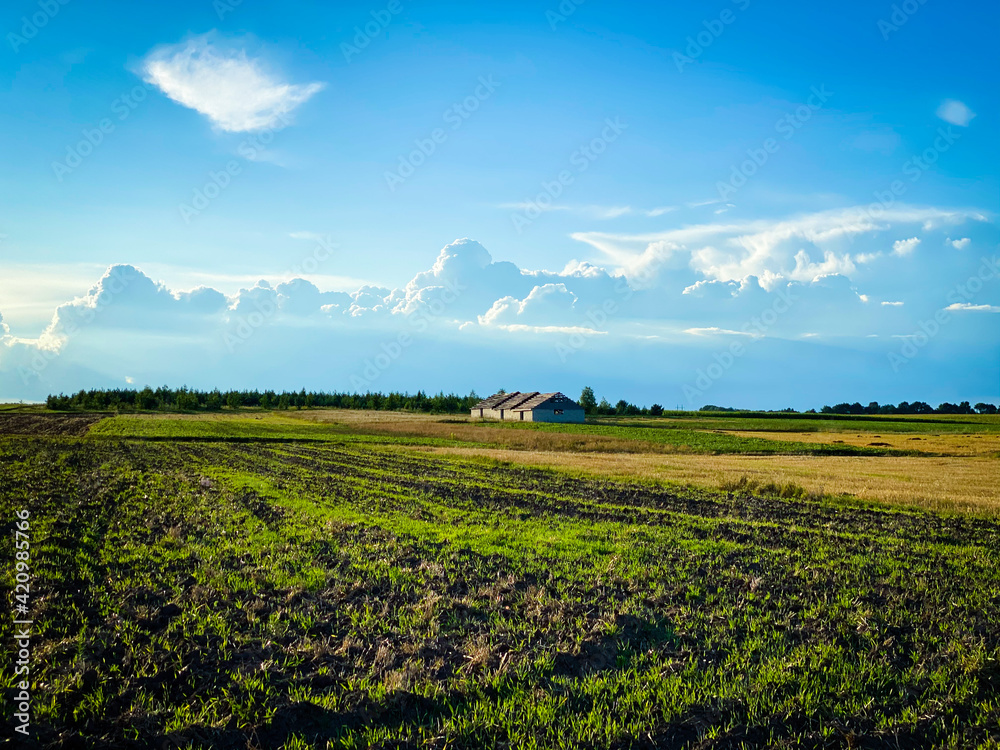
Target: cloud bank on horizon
695	316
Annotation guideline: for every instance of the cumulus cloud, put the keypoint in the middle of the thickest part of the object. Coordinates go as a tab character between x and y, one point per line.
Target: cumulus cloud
465	312
955	112
545	305
902	248
219	80
798	248
959	244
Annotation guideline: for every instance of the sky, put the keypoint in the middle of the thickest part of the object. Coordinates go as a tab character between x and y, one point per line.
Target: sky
763	205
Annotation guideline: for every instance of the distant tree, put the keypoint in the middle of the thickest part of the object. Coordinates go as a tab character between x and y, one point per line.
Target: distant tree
656	410
284	401
872	408
984	408
187	400
213	401
588	400
621	407
233	400
605	407
145	399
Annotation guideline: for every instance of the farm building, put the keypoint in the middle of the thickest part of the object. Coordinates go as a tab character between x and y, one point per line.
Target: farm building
529	407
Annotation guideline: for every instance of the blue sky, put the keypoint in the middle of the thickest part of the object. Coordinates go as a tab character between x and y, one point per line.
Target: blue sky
688	169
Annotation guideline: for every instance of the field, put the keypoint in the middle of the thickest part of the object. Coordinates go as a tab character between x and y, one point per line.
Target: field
350	579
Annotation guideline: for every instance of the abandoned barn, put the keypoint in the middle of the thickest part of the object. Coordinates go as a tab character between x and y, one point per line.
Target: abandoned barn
529	407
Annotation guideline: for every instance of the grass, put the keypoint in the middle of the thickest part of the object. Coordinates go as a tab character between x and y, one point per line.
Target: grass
346	594
287	583
948	484
626	436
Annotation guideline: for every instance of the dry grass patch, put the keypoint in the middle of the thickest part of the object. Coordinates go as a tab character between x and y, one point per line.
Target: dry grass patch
987	444
963	484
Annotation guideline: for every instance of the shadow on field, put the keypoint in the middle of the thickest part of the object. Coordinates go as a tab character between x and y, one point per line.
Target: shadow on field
313	723
633	636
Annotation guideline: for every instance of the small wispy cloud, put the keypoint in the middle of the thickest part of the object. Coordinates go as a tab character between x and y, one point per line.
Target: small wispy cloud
969	307
219	80
959	244
593	211
716	331
955	112
902	248
892	304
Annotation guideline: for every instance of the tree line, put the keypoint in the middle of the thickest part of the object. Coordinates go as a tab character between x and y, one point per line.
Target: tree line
905	407
191	400
188	399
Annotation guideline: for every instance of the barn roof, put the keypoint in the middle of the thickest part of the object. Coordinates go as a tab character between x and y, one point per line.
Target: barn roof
518	401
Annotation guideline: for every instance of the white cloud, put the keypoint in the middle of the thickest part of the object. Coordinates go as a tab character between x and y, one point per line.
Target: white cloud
544	304
902	248
799	248
955	112
969	307
892	304
218	79
592	211
716	331
959	244
293	334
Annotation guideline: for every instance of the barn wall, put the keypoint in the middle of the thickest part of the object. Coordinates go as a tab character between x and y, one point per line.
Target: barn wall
549	415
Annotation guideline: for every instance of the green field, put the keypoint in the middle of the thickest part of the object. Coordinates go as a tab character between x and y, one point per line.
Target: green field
241	582
666	436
